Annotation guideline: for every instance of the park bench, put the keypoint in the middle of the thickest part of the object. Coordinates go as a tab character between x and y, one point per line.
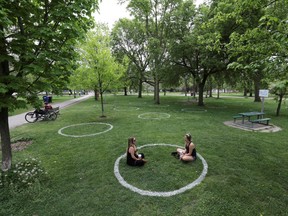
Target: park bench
237	117
261	121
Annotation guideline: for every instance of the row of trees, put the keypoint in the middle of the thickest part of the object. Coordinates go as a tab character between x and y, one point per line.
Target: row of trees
168	42
228	41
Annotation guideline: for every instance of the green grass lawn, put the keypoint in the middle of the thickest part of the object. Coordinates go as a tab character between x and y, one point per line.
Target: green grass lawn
247	171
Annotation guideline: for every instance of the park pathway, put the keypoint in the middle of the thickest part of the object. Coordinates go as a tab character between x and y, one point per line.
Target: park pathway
18	120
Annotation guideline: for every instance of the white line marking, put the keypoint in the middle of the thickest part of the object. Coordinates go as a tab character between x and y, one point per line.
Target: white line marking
161	115
193	110
156	193
126	109
156	106
61	133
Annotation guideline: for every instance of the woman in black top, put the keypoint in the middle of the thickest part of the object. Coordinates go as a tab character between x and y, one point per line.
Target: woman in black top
133	158
189	153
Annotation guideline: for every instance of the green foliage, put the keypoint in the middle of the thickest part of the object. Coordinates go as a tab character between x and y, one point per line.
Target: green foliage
37	45
156	17
262	43
197	42
279	88
37	41
23	175
98	67
129	40
249	37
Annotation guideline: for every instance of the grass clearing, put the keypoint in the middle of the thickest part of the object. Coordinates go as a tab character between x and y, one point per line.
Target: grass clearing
247	173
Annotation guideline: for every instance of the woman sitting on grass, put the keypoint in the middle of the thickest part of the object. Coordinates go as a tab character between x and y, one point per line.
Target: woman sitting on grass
133	158
189	153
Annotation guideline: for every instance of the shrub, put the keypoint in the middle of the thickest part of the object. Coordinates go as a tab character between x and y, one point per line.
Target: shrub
23	174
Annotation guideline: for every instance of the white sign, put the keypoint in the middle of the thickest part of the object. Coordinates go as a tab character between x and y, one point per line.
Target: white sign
263	93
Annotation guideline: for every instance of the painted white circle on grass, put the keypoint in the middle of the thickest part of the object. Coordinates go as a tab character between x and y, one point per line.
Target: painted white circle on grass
156	106
85	135
159	193
193	110
126	109
158	114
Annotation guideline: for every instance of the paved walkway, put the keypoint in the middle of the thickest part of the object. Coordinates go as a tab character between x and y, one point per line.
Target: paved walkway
18	120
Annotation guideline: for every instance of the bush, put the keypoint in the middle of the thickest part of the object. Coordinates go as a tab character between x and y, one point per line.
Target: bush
23	174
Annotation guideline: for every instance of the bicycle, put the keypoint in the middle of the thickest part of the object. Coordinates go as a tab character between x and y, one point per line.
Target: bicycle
32	117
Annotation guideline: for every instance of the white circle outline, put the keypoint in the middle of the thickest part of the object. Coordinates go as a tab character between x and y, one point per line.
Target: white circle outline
156	193
167	115
61	133
193	110
160	106
123	110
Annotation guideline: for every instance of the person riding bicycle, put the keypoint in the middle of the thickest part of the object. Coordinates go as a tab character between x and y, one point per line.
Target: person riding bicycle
42	113
47	107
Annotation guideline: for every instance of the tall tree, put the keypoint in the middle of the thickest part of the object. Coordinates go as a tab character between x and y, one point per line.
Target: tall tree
125	78
248	42
97	63
36	48
129	39
196	45
274	23
156	17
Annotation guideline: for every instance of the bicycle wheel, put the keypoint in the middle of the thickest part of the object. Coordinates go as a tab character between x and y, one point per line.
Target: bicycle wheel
52	116
31	117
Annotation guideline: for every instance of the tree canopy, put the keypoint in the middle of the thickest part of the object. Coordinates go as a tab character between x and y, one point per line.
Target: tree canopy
243	42
98	67
37	40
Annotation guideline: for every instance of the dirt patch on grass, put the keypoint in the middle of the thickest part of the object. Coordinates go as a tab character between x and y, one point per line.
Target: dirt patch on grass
20	145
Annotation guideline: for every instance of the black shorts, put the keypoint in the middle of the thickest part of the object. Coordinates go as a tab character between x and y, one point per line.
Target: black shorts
137	162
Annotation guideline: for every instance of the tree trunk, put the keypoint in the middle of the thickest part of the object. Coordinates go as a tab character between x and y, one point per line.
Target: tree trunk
195	90
256	90
96	94
101	98
156	91
279	105
201	93
210	91
102	104
4	120
140	88
186	86
245	92
201	85
125	91
5	140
